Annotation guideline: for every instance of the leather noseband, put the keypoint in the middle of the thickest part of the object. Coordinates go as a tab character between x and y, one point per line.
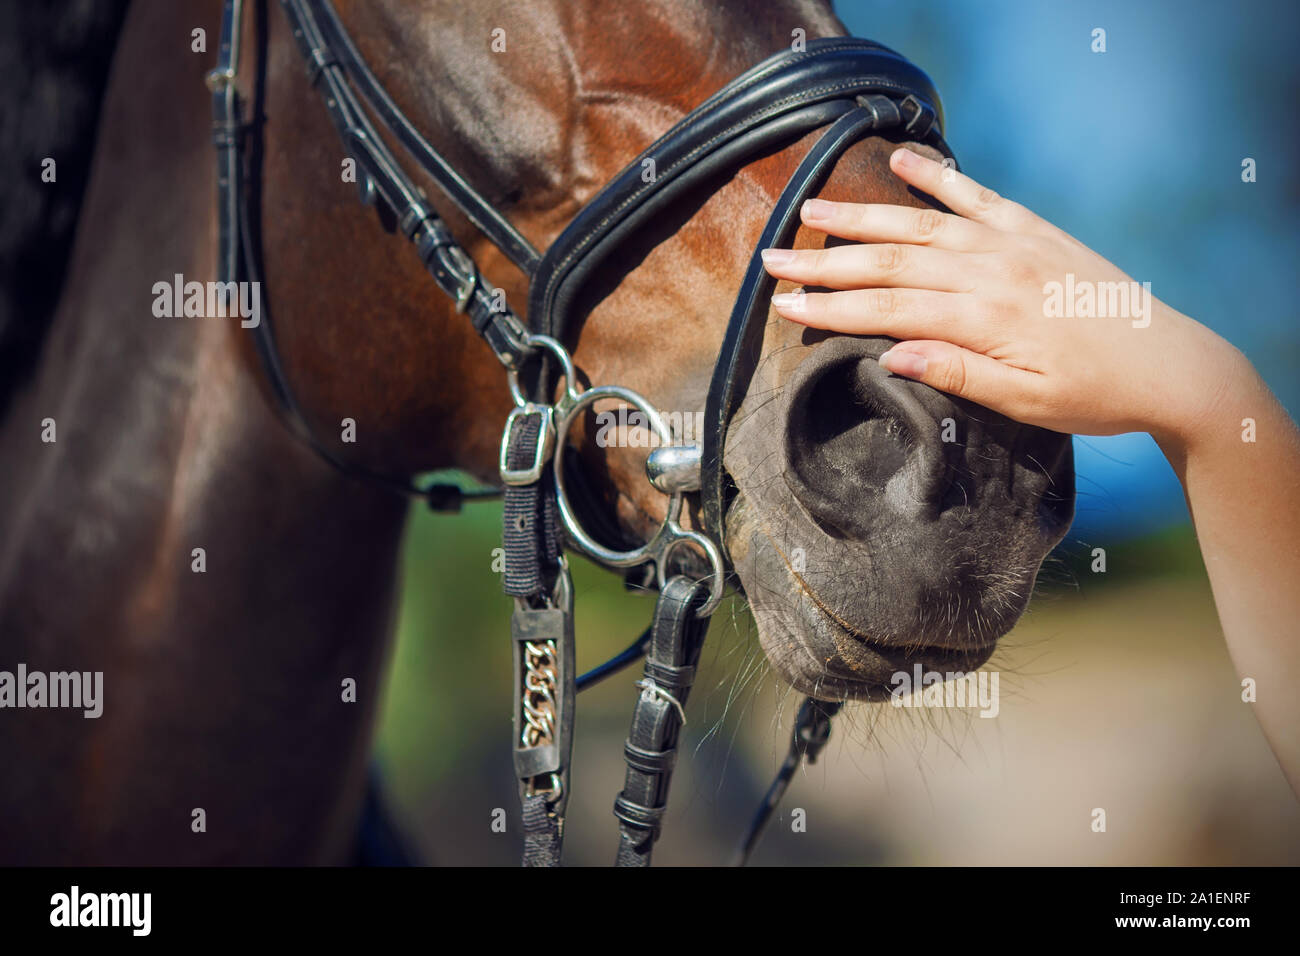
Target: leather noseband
855	87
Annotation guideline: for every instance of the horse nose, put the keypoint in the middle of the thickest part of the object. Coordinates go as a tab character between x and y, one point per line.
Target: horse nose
859	446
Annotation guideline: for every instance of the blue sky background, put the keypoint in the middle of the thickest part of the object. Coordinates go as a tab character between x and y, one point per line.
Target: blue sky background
1137	152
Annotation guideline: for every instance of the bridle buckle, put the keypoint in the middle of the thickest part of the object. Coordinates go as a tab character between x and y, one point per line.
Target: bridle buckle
545	445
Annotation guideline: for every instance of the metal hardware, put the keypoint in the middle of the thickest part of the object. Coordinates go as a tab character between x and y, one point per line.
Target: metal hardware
673	468
670	534
227	68
654	690
542	454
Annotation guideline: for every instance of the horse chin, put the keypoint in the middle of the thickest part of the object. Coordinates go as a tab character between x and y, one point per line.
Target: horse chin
819	654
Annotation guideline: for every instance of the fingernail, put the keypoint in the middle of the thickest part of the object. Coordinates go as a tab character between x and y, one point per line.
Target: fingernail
906	158
796	302
903	363
777	257
818	209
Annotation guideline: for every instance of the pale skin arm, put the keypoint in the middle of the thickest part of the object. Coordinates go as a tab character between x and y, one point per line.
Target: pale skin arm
964	293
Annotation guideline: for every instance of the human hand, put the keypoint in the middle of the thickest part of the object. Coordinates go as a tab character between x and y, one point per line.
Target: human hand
969	294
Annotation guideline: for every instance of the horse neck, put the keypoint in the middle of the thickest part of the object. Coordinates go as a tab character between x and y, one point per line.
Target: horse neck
173	535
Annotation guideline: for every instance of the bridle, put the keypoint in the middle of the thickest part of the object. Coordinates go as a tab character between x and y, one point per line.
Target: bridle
852	89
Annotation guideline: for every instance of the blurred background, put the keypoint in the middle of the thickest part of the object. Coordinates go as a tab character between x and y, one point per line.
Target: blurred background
1117	691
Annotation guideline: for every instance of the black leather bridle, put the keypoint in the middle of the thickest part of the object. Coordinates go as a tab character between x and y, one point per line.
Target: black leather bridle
852	89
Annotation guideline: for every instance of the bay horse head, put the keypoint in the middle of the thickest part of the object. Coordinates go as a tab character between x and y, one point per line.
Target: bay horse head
872	522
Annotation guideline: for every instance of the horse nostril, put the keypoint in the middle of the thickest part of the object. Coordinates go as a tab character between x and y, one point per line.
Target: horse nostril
1049	458
859	448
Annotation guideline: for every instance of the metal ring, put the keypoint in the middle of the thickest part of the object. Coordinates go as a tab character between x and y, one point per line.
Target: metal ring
669	533
561	354
562	595
556	789
717	582
566	412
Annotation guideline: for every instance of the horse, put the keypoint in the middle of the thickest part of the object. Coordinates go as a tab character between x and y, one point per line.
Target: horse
164	528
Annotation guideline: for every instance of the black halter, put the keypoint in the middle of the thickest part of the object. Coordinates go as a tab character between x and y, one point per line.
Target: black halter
851	88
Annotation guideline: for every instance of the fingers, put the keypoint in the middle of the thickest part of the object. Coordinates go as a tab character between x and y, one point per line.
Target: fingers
897	313
882	264
878	222
959	371
963	195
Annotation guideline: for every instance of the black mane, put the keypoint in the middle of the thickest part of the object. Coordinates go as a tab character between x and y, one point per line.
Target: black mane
54	60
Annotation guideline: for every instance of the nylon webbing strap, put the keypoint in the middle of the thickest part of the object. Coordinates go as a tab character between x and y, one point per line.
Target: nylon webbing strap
531	522
542	631
542	837
658	716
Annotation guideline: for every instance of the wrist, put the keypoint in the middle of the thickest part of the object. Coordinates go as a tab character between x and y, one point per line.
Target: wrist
1223	388
1216	381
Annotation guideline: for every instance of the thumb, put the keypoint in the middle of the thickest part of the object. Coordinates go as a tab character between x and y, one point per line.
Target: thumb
958	371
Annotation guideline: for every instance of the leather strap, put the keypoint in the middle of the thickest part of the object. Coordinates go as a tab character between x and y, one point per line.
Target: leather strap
853	86
743	342
335	48
766	107
227	136
331	63
651	748
238	255
543	721
812	730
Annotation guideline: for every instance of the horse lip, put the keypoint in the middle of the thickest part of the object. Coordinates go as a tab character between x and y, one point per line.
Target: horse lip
810	646
840	681
884	648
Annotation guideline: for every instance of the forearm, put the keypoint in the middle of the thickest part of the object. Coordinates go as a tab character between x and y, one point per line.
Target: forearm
1244	497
